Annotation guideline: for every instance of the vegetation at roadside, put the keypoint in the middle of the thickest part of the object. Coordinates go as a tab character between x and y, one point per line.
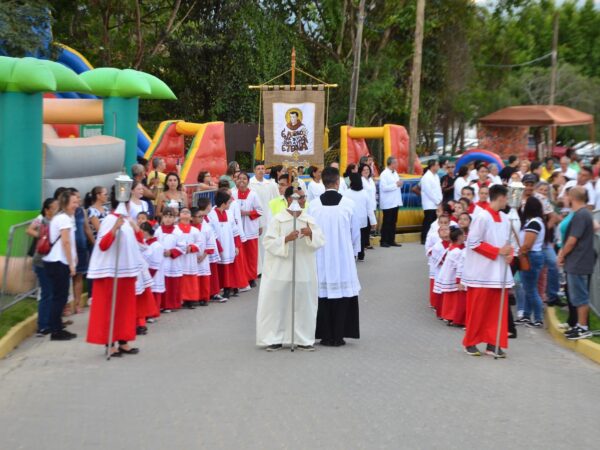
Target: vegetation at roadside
16	314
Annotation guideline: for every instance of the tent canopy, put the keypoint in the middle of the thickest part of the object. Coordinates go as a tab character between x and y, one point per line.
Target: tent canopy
537	116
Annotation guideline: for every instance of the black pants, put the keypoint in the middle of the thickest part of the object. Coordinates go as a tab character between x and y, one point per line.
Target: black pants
60	278
388	225
429	218
364	241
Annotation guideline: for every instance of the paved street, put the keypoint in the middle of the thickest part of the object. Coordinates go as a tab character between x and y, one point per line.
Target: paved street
199	382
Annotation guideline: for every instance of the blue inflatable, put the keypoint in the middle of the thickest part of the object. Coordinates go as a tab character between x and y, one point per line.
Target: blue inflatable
479	155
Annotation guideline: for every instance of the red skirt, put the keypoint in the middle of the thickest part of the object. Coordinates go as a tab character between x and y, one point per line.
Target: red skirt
483	305
251	252
158	298
146	305
240	269
215	284
172	295
204	287
189	288
460	308
435	299
448	305
125	311
226	275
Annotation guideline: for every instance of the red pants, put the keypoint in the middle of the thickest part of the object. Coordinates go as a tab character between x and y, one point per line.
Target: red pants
189	288
251	253
226	276
215	283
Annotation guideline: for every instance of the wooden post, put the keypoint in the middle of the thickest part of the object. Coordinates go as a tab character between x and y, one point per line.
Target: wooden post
293	83
356	65
553	80
416	85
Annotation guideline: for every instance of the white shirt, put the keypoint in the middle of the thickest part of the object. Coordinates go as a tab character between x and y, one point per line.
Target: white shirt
266	192
362	207
431	191
473	175
369	186
459	184
61	221
314	190
589	187
390	195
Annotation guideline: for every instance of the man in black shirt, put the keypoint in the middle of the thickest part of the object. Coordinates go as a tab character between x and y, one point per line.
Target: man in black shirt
509	169
447	182
578	257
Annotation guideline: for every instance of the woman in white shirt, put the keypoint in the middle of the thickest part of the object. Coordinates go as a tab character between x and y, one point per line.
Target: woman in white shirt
136	205
60	263
494	175
462	180
362	209
315	187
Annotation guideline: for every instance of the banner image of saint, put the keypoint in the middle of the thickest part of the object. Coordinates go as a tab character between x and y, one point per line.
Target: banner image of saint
293	128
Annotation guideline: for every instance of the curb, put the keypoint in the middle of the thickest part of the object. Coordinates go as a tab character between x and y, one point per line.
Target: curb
23	330
586	347
18	334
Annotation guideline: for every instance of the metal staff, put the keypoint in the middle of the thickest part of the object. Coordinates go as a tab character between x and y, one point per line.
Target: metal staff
294	208
114	297
515	192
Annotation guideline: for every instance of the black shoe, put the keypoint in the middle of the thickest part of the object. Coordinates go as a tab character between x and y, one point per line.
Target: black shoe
141	331
306	348
578	333
558	303
339	343
384	245
522	321
62	335
189	305
202	303
535	324
252	283
491	350
235	292
131	351
326	342
226	293
395	244
43	332
274	347
472	350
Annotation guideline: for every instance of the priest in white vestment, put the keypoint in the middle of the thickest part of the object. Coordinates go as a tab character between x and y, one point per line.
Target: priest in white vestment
266	191
337	317
274	313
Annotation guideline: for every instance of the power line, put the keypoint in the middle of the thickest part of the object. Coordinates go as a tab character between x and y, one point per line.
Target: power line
508	66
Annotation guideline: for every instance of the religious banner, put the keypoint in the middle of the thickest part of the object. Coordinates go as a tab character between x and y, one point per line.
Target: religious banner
294	126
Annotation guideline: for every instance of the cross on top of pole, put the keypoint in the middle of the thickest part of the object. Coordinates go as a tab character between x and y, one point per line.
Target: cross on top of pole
294	163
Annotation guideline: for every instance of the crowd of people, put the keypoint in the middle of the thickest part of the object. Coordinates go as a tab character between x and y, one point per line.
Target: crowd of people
166	255
541	252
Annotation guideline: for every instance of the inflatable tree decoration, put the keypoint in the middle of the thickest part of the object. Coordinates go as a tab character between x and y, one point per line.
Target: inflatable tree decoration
122	90
22	83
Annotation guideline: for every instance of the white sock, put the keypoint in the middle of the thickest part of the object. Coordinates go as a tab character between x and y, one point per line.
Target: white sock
583	327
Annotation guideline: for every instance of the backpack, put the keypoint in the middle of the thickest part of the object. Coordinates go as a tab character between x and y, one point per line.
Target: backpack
43	245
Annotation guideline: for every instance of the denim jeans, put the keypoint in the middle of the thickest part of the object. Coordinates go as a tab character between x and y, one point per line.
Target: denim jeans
579	289
60	279
533	300
553	282
45	302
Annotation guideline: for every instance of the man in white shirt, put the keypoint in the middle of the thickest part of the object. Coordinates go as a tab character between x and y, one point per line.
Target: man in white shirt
390	199
431	196
584	179
266	191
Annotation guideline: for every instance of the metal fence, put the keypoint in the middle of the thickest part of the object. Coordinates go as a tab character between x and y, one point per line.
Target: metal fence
193	194
595	284
18	279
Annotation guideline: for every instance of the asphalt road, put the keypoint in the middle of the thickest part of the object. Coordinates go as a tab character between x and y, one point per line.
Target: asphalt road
199	382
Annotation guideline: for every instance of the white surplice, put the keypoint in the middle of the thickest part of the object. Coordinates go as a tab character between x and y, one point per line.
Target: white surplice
274	313
336	265
266	191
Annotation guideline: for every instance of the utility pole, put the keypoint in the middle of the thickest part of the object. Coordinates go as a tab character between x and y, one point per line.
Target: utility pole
416	86
356	65
553	80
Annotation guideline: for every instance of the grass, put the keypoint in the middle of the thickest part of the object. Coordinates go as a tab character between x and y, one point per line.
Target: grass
16	314
562	315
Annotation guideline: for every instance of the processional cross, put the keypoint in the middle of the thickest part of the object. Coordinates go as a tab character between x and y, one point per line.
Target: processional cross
294	163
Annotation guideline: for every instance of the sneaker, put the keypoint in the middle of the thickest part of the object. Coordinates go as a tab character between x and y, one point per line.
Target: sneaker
151	320
306	348
216	298
579	333
42	333
536	324
472	350
522	321
62	335
564	326
491	350
165	311
274	347
245	289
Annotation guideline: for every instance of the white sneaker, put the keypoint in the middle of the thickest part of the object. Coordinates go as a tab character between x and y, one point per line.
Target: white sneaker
245	289
564	326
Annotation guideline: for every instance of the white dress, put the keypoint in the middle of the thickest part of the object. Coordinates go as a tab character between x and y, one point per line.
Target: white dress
250	224
154	256
336	266
273	315
225	233
172	267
